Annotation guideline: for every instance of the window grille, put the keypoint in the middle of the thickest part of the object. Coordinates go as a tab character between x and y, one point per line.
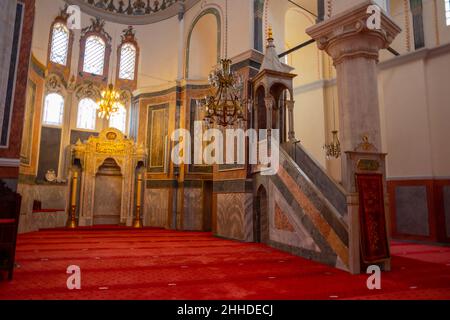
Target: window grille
60	44
127	61
94	55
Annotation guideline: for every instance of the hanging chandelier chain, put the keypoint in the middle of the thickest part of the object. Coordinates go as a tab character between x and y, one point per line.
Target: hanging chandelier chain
226	29
334	110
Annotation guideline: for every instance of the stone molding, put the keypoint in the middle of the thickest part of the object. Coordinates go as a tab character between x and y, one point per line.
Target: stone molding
346	35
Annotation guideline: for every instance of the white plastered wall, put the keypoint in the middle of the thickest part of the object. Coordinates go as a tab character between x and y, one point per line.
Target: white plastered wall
414	103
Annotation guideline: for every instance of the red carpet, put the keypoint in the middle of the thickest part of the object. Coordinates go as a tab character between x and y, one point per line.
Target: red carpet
159	264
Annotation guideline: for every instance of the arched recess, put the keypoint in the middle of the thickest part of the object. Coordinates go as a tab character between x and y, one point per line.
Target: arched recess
261	233
281	94
258	25
202	52
260	120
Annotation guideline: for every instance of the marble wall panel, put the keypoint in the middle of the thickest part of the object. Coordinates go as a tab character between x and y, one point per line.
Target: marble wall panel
248	217
51	196
447	209
297	235
412	210
49	151
231	216
193	209
108	200
156	208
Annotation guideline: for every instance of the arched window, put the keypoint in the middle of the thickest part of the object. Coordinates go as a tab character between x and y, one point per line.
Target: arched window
60	44
87	114
258	10
118	120
53	109
127	61
447	11
94	55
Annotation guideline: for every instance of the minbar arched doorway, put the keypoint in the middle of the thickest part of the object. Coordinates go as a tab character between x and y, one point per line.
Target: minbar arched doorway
261	217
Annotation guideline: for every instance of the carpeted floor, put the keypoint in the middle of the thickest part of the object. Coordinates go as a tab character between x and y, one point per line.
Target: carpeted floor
158	264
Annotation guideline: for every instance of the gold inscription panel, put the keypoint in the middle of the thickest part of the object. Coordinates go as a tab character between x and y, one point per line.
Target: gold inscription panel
111	148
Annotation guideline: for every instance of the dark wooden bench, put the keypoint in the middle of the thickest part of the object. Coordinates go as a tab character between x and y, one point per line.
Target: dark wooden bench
9	223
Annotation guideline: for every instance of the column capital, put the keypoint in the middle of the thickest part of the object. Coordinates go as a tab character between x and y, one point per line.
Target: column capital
347	35
290	104
269	101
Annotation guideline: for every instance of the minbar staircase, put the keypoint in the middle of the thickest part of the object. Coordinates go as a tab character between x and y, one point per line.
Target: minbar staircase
310	209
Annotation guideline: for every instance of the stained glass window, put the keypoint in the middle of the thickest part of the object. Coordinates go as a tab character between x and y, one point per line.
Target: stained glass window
94	55
60	44
127	61
87	114
53	109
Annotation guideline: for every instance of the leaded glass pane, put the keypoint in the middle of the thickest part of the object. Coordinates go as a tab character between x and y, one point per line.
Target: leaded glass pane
127	62
60	44
94	55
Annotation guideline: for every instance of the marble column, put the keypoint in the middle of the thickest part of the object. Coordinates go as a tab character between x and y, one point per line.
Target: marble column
354	48
290	108
269	108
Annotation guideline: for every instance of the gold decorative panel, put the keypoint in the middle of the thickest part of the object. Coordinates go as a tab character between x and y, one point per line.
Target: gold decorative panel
25	151
158	120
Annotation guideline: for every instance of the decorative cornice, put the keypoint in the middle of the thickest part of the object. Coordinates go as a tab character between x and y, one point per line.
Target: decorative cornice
129	35
97	26
134	12
344	28
422	54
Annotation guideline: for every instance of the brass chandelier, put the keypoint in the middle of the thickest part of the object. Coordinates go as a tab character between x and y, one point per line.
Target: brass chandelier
225	107
333	149
109	103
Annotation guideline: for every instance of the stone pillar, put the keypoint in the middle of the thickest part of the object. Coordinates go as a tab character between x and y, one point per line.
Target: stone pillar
290	108
269	108
7	16
321	10
354	49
